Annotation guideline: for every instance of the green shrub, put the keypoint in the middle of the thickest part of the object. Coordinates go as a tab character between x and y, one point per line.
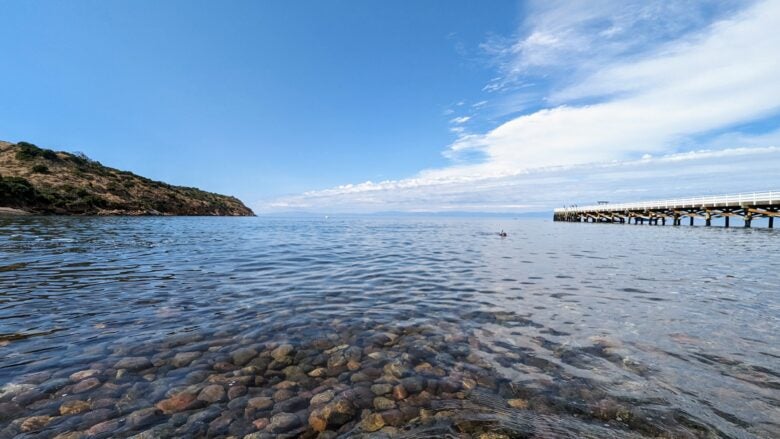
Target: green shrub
49	154
28	151
40	169
79	158
17	191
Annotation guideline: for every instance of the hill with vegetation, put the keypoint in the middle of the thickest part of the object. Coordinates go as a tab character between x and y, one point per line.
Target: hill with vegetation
43	181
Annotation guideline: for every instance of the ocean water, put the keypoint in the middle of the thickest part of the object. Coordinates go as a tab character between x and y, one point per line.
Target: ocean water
386	327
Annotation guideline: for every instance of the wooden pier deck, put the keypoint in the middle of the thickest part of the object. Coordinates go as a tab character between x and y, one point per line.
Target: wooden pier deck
747	207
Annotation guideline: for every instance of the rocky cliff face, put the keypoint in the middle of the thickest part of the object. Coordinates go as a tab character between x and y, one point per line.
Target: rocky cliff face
43	181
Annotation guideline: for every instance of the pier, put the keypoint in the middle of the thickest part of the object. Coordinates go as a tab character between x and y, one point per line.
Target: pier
747	207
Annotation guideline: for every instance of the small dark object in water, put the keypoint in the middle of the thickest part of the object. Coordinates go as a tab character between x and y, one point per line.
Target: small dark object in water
502	234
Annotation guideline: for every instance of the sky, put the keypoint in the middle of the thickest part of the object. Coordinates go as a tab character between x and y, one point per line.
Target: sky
368	106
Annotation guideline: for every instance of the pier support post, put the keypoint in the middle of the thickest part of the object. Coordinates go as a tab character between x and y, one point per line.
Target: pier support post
708	219
691	219
748	219
771	222
727	221
663	221
676	219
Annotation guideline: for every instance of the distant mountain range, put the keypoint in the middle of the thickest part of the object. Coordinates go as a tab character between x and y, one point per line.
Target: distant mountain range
42	181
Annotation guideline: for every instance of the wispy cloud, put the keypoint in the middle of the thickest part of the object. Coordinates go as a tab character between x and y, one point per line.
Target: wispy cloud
628	80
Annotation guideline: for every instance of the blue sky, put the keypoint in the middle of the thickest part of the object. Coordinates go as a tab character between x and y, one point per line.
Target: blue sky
371	106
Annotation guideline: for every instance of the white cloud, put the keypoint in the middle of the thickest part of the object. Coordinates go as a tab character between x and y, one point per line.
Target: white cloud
648	98
722	77
571	38
460	120
690	173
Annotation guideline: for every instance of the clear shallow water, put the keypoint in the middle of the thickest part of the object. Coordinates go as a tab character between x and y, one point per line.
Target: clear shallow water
559	330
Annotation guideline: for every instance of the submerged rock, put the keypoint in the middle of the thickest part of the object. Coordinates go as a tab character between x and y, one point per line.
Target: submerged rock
183	359
177	403
73	407
212	393
143	417
84	374
242	356
35	423
372	422
281	352
86	385
283	422
133	363
518	403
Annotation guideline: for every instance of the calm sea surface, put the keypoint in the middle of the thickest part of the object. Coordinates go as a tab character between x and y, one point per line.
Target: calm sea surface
184	327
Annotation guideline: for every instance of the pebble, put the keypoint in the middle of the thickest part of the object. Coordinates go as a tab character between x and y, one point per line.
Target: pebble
220	425
396	368
353	365
382	403
280	353
133	363
399	392
261	423
143	417
372	422
282	394
318	372
242	356
212	393
84	374
35	377
413	384
293	404
492	435
283	422
34	423
94	416
518	403
177	403
85	385
260	403
53	385
318	421
336	413
322	398
73	407
381	389
9	410
393	417
28	397
103	427
236	391
183	359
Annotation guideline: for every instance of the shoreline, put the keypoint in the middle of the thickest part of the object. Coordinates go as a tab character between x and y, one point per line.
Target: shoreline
10	211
